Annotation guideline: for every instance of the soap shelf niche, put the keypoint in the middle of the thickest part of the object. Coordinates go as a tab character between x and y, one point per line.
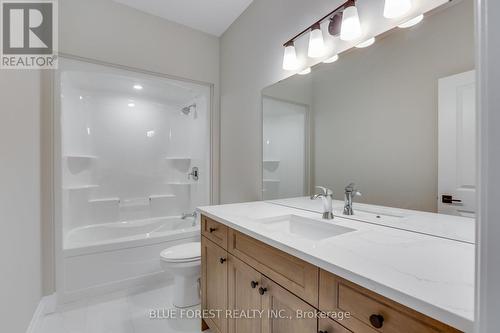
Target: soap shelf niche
80	187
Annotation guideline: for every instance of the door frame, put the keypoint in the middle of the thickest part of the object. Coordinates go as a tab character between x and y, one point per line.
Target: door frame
487	300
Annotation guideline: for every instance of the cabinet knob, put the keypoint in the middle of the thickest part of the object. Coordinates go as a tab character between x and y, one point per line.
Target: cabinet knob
262	291
377	321
222	260
254	284
323	332
212	229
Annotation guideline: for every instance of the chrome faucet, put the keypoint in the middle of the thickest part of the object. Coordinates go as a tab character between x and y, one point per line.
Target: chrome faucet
350	193
327	197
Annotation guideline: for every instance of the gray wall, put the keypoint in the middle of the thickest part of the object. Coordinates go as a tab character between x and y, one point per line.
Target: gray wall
20	277
376	111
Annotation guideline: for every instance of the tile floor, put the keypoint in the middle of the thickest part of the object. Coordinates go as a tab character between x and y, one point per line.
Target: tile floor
119	314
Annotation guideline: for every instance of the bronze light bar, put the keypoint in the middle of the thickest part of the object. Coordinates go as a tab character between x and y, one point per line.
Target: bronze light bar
332	14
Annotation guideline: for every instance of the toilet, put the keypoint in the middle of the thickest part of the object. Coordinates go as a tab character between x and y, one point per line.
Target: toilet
184	263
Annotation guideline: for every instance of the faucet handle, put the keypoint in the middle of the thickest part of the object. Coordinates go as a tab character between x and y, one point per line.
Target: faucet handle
352	188
326	191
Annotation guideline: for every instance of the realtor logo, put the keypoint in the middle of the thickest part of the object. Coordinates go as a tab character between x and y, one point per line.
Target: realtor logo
29	34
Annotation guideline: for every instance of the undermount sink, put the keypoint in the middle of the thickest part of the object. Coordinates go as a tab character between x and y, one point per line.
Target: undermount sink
303	227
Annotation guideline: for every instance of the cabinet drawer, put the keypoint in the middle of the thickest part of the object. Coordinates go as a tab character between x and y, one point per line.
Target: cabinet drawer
215	231
296	275
370	312
330	326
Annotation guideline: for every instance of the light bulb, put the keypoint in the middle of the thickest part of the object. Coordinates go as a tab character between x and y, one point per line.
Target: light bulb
331	59
316	43
414	21
351	26
290	62
366	43
396	8
305	71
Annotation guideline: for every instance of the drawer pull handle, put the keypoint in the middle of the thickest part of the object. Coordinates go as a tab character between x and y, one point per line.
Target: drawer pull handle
377	321
262	291
254	284
212	229
222	260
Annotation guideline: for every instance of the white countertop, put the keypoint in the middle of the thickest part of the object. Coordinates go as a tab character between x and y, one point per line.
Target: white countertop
441	225
432	275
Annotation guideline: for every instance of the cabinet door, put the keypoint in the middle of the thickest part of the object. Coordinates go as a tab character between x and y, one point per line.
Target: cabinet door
282	311
244	297
214	283
327	325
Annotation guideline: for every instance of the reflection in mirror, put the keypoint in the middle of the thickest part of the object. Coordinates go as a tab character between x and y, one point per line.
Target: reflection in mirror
397	119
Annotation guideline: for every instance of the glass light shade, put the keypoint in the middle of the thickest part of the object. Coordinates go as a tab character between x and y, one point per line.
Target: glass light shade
366	43
290	61
351	26
305	71
317	47
414	21
331	59
396	8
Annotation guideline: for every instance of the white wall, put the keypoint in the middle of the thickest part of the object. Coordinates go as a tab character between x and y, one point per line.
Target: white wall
376	111
488	249
20	238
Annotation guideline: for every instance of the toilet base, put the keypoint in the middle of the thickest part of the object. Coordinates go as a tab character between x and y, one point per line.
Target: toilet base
186	291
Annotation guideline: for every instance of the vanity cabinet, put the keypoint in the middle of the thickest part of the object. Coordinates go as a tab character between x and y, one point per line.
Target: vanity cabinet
245	275
214	268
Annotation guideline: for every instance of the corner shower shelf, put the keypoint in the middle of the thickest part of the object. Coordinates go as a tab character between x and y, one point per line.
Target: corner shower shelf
271	161
80	187
182	183
104	200
161	196
82	157
271	180
178	158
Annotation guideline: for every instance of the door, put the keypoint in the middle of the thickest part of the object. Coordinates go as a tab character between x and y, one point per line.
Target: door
214	283
283	310
457	145
243	296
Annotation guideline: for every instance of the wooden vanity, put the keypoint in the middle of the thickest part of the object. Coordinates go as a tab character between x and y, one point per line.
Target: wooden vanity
242	273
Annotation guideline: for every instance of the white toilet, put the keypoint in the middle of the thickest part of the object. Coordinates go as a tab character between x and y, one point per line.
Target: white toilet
184	263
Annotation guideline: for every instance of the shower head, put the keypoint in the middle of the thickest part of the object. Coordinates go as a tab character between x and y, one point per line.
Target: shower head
187	110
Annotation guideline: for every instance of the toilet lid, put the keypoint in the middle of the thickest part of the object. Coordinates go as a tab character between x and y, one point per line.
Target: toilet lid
183	252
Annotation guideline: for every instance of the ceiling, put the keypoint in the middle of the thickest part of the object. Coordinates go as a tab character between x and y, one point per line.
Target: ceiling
213	17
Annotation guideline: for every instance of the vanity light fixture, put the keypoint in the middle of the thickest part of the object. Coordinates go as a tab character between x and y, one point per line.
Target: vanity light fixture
411	22
366	43
396	8
138	87
331	59
316	43
305	71
290	61
351	26
344	21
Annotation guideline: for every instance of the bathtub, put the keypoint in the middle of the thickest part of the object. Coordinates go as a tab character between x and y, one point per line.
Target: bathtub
118	256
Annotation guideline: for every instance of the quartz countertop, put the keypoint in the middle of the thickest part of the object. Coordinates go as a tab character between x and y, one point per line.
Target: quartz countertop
432	275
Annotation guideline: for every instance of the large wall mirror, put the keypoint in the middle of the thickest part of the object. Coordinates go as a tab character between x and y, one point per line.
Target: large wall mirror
397	119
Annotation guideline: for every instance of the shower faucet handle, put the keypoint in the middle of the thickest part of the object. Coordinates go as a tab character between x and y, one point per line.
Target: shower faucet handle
194	173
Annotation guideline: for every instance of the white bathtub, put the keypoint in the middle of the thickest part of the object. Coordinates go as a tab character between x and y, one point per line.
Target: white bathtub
115	256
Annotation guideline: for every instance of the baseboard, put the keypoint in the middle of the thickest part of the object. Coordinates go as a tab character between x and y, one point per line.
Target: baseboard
46	305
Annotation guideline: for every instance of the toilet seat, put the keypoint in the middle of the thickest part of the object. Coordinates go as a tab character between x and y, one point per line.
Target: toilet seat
187	252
